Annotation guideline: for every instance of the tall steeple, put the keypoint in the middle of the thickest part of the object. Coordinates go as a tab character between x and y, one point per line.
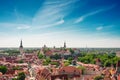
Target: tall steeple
21	46
64	44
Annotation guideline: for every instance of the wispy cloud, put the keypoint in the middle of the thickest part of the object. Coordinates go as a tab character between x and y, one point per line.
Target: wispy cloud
81	18
99	28
60	22
51	12
106	27
14	26
23	27
54	24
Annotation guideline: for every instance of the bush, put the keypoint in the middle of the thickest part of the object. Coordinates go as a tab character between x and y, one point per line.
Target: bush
54	63
66	63
3	69
40	56
21	76
14	79
98	78
82	68
16	68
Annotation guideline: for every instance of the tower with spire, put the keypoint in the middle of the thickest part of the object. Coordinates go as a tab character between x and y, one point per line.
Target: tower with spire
64	44
21	48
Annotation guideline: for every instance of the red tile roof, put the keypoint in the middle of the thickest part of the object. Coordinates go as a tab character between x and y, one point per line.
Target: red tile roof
49	53
70	69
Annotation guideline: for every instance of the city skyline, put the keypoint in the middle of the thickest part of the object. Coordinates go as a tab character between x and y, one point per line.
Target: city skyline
79	23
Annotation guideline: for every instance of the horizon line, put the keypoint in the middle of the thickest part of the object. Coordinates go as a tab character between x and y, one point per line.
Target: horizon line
60	47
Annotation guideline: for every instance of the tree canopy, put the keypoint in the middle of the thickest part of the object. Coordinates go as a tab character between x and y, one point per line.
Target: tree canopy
21	76
106	59
3	69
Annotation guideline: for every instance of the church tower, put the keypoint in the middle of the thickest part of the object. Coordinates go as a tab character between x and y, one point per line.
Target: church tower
65	45
21	48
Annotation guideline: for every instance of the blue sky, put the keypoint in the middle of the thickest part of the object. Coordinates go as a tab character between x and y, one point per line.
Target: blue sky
95	23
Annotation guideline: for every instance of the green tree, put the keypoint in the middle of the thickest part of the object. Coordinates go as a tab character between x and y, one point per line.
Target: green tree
16	68
21	76
107	59
70	58
66	64
71	51
56	56
40	56
21	61
54	63
98	78
3	69
82	68
14	79
108	63
46	61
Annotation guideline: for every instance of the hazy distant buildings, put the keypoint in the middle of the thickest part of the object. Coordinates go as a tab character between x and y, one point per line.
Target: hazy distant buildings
118	53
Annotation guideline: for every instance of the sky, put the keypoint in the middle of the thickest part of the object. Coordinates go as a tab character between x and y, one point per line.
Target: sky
79	23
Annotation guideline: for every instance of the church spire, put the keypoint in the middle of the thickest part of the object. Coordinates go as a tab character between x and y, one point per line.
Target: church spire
21	46
64	44
21	49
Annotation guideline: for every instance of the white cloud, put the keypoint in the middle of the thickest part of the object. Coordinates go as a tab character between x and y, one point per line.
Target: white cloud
81	18
14	26
53	24
49	15
23	27
99	28
104	27
51	12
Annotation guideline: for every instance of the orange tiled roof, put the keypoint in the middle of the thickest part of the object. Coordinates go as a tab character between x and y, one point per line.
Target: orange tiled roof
69	69
49	53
